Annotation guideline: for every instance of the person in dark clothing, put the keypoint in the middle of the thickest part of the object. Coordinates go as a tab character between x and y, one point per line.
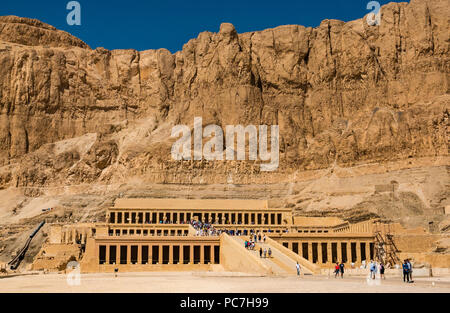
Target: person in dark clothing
260	252
382	271
341	268
405	271
409	270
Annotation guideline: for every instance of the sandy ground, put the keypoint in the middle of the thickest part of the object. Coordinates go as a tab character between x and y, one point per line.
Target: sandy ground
215	283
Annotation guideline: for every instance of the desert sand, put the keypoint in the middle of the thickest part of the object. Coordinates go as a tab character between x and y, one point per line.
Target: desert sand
191	282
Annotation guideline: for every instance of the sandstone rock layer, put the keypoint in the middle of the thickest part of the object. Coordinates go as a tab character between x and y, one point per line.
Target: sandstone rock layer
346	96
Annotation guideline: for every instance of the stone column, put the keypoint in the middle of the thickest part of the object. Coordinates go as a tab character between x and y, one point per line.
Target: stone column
191	254
74	236
117	254
150	254
339	252
349	252
181	255
310	251
171	254
213	256
358	253
367	252
319	253
128	254
329	253
139	255
160	259
97	254
202	254
107	254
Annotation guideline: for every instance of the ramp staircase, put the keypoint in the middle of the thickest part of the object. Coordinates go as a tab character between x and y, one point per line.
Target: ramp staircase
281	262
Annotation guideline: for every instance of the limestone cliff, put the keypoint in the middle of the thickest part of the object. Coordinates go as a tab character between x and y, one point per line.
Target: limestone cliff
345	95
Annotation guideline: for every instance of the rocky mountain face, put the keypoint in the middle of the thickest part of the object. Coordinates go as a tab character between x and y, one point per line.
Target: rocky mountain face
351	100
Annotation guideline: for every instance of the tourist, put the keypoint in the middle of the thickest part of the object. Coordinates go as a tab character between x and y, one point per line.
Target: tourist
382	271
373	269
260	252
270	253
298	269
265	253
410	269
259	238
336	270
341	268
264	238
405	271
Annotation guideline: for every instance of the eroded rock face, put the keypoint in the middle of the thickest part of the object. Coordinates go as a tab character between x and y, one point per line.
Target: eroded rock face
31	32
342	93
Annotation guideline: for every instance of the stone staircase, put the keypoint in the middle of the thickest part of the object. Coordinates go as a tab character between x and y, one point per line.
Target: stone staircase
282	262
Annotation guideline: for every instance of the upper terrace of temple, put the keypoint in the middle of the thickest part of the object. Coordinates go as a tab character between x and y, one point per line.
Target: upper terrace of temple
184	204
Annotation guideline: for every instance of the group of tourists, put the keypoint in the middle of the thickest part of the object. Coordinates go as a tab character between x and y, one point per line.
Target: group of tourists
204	229
250	245
339	269
258	237
374	267
265	252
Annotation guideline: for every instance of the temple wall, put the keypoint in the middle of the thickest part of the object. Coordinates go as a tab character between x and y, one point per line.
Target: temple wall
417	243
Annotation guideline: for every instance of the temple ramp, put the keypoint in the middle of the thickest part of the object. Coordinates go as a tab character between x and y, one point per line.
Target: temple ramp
278	264
235	258
283	260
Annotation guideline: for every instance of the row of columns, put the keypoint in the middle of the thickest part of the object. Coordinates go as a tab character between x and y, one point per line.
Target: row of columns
148	232
74	236
329	250
201	260
218	217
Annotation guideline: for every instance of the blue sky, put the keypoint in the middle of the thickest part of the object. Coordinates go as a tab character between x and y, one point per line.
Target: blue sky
148	24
